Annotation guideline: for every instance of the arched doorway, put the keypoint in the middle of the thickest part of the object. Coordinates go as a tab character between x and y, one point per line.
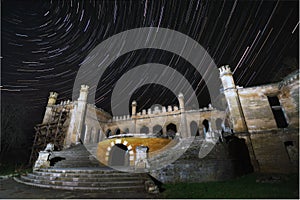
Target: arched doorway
119	155
108	133
205	124
117	131
157	129
171	130
144	129
194	129
126	130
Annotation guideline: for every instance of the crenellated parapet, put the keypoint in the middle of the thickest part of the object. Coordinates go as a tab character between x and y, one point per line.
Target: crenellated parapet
224	70
148	113
289	79
52	98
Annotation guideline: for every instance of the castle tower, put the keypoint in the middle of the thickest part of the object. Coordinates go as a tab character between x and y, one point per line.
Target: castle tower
77	121
232	99
183	123
80	112
51	102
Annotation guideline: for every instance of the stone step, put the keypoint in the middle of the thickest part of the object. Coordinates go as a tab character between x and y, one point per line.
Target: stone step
135	188
82	175
86	179
83	184
91	170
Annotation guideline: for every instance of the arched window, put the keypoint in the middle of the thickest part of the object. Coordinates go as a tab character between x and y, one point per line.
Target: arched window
108	133
144	129
126	130
157	129
171	130
117	131
206	126
194	129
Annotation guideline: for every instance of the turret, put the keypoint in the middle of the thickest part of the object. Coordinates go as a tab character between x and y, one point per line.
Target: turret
133	108
83	93
232	99
181	102
52	98
51	102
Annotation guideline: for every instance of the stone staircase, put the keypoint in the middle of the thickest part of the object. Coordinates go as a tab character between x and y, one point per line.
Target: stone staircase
76	156
76	169
86	179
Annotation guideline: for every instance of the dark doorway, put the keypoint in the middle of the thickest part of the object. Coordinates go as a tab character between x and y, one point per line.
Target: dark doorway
277	112
119	155
144	129
108	133
157	129
171	130
194	129
238	151
117	131
206	125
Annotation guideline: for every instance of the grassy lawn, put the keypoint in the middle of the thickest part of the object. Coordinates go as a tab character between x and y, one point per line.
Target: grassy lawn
242	187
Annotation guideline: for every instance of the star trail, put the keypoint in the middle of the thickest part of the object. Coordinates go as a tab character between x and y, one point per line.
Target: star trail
45	42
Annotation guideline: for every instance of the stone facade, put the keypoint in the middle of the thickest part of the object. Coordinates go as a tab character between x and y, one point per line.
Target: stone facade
265	117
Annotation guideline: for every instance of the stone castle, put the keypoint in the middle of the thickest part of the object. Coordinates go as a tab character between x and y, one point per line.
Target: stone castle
265	118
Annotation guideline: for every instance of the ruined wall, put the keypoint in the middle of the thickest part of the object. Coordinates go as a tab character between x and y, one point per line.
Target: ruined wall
221	163
272	148
256	107
289	99
272	152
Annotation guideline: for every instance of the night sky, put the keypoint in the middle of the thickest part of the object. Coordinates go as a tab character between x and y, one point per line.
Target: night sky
45	42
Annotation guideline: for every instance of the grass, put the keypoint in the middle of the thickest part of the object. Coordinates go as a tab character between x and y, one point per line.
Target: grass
242	187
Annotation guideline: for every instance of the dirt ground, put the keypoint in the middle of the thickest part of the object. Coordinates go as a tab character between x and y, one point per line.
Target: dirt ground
10	189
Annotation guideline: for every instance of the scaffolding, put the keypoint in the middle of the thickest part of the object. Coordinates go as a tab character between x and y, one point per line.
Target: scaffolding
51	132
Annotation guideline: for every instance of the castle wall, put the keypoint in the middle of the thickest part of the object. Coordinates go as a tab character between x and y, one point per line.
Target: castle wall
271	151
221	163
289	99
256	107
272	148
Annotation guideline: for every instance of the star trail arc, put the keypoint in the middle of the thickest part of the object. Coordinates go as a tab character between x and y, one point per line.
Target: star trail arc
45	42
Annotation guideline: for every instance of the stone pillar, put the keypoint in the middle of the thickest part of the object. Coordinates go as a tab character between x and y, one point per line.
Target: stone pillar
51	102
133	114
183	123
141	161
233	101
